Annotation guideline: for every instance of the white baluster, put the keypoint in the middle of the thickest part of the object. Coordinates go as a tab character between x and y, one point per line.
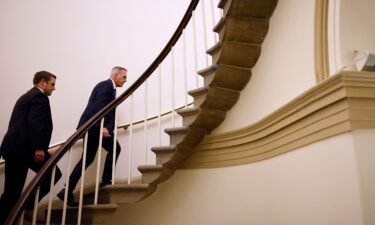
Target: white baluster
185	67
82	180
99	161
145	122
50	196
172	87
130	140
114	148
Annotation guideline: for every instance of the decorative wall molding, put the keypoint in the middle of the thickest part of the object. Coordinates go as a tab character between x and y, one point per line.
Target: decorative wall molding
339	104
321	40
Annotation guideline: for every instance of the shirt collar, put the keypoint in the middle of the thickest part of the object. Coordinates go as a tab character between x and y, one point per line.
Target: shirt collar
113	83
40	89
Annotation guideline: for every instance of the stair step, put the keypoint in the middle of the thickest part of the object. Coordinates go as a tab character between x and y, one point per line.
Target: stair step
254	9
235	53
229	77
91	214
188	115
125	193
155	174
208	119
208	74
215	98
199	95
163	153
226	76
241	29
176	134
171	156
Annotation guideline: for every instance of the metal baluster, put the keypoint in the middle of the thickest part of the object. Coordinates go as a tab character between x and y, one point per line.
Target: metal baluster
213	19
159	98
172	87
185	67
82	181
67	180
99	161
131	140
195	48
145	123
114	148
50	196
204	30
35	212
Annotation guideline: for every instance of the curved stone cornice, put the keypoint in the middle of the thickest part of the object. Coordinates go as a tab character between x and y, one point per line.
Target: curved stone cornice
339	104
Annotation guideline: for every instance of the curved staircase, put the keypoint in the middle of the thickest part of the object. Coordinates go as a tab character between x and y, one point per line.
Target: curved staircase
242	30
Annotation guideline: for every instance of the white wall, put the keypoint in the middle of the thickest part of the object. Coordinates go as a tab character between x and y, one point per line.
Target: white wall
79	41
314	185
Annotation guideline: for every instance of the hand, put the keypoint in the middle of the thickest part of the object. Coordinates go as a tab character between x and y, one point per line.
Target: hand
106	133
39	155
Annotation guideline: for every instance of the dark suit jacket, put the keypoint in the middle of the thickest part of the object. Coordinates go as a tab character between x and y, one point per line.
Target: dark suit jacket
30	126
102	94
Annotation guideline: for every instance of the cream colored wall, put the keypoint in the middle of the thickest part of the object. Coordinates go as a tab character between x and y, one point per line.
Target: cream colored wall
364	144
315	185
285	68
79	41
357	28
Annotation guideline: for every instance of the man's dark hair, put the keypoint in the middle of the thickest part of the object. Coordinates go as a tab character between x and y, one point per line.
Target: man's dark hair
42	75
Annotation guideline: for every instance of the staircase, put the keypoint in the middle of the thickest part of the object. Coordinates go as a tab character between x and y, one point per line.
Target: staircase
242	29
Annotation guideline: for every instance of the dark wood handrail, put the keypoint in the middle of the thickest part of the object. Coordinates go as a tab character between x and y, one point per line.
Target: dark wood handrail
32	187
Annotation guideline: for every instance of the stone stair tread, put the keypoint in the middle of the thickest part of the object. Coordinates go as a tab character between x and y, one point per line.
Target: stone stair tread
188	111
163	148
150	167
216	47
222	3
176	130
208	70
91	207
124	186
198	91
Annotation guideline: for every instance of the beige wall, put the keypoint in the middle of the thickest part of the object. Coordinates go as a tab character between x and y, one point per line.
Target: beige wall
285	68
364	144
315	185
357	28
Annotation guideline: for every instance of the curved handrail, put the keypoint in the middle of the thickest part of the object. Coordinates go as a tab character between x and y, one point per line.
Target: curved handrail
32	187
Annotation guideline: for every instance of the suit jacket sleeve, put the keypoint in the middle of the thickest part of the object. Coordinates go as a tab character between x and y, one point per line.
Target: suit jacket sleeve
39	122
105	96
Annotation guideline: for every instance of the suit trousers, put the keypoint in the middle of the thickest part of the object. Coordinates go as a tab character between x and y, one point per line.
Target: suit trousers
16	170
92	148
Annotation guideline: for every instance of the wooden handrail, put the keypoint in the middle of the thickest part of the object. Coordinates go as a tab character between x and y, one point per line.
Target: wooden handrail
48	166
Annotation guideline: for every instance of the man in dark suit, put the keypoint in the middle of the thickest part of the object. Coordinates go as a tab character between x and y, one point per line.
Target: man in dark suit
102	94
25	145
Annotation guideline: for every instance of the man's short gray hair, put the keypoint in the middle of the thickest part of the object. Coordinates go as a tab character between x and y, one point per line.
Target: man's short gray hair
117	69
